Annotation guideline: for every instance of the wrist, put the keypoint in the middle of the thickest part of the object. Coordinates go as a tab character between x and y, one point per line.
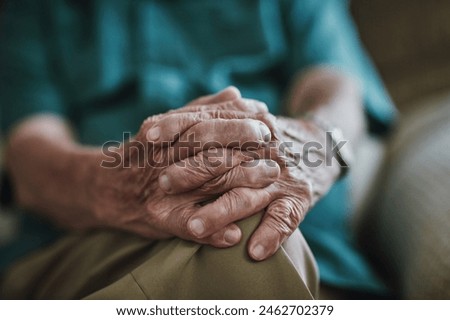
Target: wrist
118	183
309	143
86	164
338	153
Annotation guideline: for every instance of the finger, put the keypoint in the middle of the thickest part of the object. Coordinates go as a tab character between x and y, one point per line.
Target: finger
217	173
244	105
191	173
232	206
281	219
229	93
224	238
175	223
255	174
245	134
168	127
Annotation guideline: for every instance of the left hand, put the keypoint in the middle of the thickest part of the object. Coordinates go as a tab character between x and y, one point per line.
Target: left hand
286	201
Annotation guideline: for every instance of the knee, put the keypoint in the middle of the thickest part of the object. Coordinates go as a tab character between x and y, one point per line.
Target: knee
192	271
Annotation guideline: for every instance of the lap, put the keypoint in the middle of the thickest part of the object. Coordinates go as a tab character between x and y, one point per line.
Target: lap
113	265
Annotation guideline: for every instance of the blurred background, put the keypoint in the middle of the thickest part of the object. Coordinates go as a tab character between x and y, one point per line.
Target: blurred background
409	41
406	220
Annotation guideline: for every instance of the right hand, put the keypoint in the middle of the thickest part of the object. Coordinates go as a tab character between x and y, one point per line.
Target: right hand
129	196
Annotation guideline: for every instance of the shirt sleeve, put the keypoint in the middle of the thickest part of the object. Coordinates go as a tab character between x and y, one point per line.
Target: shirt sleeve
26	84
323	33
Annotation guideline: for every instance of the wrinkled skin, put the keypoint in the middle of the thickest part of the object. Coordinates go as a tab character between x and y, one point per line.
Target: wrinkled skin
286	201
63	180
187	197
131	198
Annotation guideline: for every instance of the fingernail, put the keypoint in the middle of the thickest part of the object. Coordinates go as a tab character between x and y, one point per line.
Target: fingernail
197	227
231	236
265	132
164	183
258	252
153	134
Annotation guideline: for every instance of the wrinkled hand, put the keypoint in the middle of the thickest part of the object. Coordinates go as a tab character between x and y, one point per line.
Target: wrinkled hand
301	183
128	196
286	201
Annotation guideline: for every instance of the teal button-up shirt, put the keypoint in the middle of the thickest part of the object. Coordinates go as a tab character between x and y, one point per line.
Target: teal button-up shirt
105	65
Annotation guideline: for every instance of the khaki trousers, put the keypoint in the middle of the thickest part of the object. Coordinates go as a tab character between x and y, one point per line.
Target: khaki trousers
115	265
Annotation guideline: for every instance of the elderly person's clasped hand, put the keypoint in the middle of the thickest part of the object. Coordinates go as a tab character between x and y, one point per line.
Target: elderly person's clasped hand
193	172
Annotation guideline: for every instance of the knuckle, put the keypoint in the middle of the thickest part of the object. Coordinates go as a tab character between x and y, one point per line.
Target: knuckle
268	119
152	218
214	184
272	168
286	217
252	106
298	210
147	123
197	179
251	174
216	113
198	117
202	108
239	104
260	106
225	181
168	123
260	172
251	129
247	199
229	203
